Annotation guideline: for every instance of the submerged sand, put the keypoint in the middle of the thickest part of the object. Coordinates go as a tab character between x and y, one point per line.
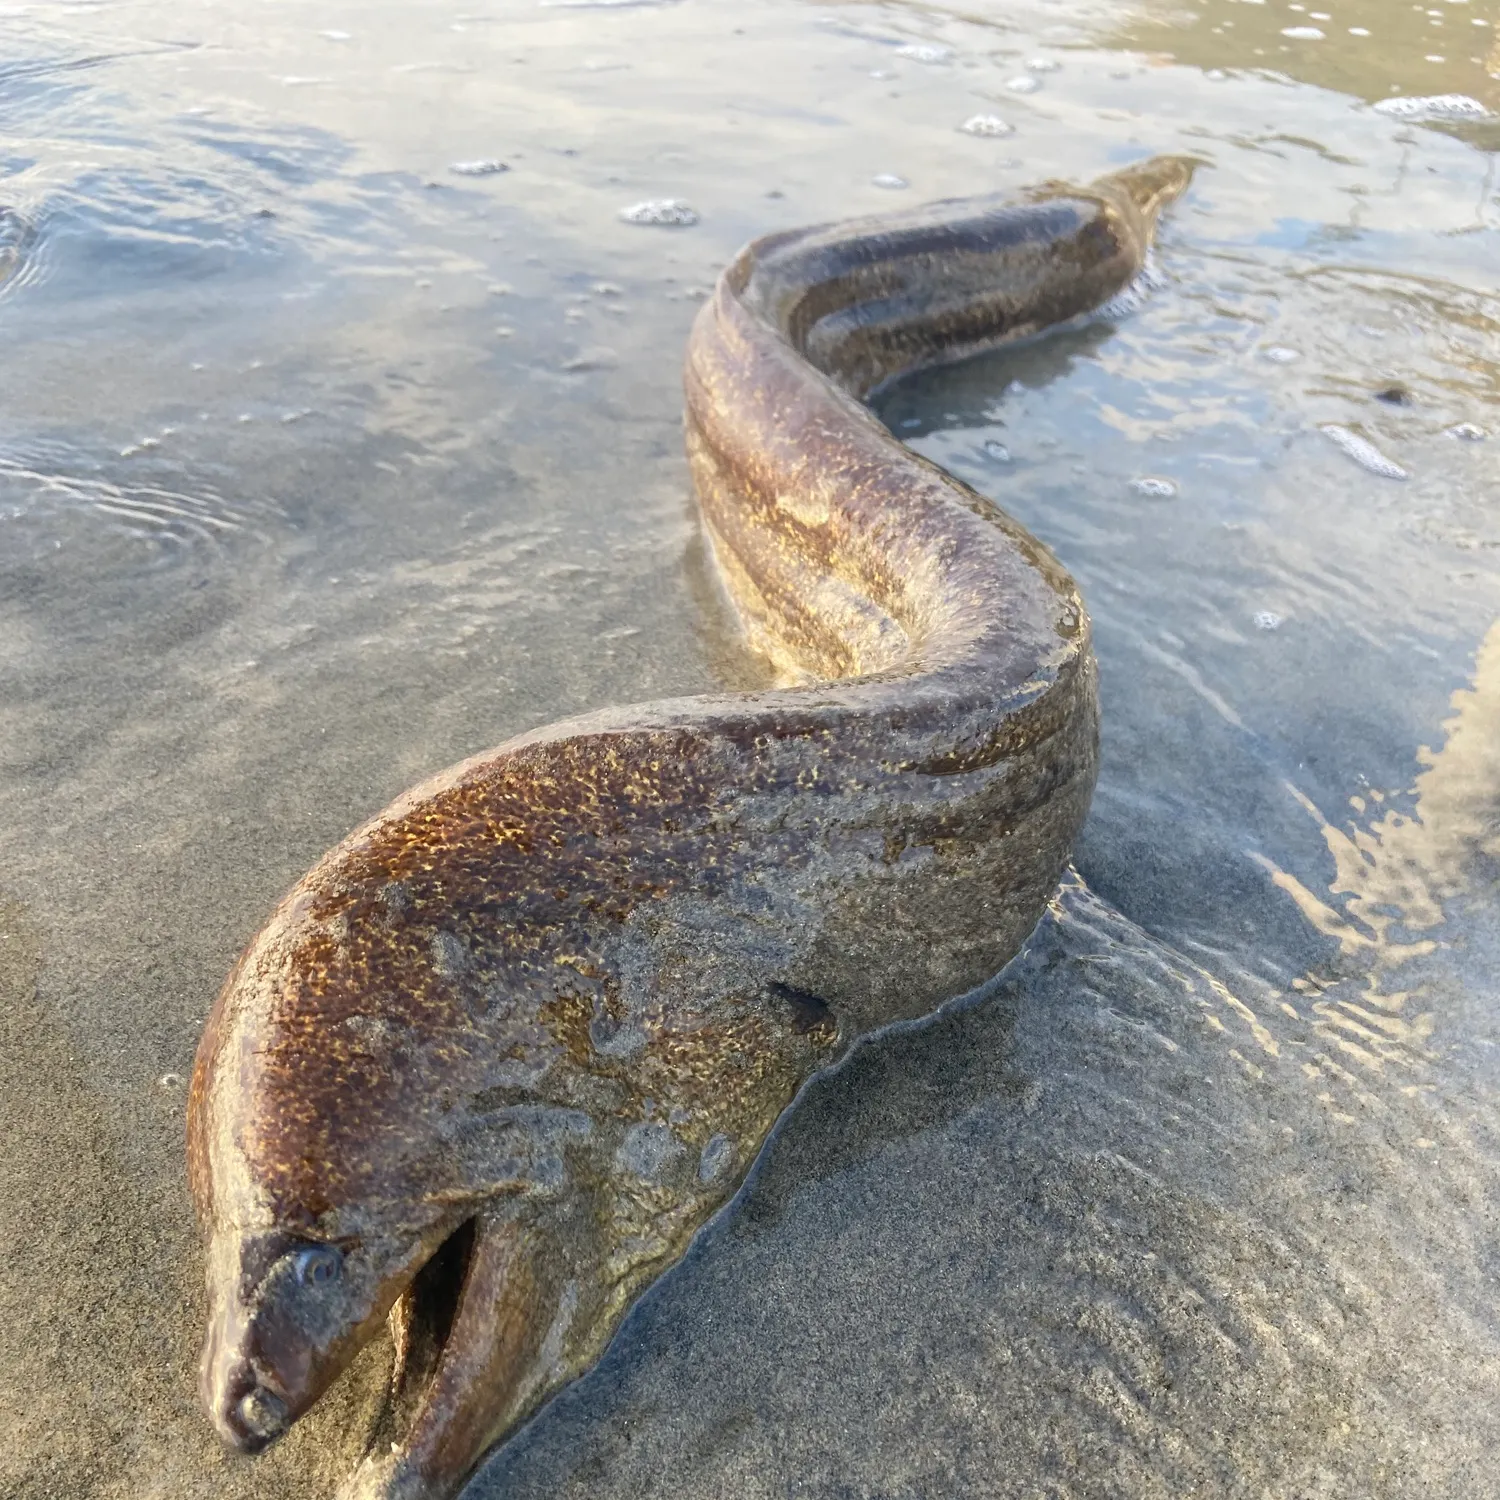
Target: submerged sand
323	466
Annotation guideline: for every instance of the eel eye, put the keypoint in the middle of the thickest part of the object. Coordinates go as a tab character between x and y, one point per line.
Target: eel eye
317	1265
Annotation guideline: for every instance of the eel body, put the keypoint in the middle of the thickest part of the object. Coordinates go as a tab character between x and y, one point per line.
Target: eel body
497	1057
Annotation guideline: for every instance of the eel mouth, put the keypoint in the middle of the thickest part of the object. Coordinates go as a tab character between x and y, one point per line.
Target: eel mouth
421	1322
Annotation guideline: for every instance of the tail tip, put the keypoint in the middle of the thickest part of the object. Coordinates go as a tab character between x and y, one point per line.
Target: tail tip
1152	184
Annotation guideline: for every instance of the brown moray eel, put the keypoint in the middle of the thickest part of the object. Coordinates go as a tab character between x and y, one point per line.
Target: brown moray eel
500	1054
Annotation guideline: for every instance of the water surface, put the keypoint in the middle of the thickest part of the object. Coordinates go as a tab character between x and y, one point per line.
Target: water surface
323	465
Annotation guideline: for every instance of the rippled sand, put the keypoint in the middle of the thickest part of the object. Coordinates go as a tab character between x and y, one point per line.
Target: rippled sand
329	458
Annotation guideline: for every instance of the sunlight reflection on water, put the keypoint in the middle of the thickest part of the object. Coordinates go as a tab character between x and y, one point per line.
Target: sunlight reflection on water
329	458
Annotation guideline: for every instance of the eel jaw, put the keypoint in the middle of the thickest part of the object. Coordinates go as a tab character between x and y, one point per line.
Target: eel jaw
421	1323
469	1333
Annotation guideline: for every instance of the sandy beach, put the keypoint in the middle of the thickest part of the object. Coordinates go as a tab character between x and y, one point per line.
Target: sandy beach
324	464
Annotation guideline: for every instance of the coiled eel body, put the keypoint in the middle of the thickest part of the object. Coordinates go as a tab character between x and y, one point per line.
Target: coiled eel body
497	1057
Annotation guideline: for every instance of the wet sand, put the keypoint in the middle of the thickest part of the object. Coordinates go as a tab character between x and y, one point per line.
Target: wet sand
323	466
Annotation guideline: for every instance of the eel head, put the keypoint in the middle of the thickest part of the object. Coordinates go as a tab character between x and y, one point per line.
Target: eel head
331	1069
288	1314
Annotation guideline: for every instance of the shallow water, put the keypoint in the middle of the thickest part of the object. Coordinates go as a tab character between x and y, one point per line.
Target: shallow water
323	465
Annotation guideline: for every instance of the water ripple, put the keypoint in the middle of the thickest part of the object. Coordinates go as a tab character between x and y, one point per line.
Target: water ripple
171	520
17	239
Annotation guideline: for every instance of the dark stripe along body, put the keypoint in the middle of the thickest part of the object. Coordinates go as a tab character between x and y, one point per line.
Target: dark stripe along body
496	1058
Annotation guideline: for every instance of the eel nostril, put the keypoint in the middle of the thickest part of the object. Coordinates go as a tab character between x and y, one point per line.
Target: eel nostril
262	1414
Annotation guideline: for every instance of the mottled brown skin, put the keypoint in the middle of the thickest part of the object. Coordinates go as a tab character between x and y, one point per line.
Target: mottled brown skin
496	1058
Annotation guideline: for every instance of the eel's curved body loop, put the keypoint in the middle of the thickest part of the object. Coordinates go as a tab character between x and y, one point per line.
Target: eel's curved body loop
497	1057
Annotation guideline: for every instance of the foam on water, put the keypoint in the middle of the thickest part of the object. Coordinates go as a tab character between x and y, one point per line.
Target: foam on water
987	125
1362	451
924	52
1154	487
672	212
1432	107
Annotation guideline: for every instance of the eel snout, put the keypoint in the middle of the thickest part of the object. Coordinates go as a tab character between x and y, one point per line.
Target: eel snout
247	1413
287	1317
251	1399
